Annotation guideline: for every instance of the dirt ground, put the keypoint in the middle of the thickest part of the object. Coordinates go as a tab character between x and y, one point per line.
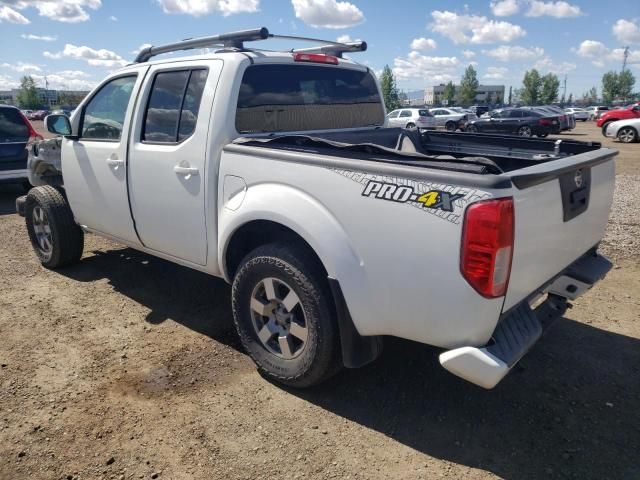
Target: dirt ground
126	366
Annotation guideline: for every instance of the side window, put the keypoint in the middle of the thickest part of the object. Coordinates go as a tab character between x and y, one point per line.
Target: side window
406	113
515	114
393	114
103	116
172	109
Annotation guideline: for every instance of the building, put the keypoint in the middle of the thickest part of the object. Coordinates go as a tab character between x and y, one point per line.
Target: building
48	97
486	94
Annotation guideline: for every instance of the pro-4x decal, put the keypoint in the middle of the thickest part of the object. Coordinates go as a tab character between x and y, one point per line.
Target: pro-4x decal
442	200
436	199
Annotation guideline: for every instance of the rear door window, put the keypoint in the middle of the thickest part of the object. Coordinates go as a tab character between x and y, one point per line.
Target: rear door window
277	98
13	128
172	109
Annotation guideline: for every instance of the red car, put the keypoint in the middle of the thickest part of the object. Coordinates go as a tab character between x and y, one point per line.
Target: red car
630	111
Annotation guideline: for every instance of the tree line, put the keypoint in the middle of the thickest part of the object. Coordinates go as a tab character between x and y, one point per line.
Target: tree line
536	89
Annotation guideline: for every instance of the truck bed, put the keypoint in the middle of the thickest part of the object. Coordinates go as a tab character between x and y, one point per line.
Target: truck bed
460	152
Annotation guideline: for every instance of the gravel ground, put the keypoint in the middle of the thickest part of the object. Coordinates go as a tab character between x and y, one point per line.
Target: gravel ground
127	367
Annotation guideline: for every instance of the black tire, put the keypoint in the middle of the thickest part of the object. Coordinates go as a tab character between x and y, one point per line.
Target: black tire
320	357
410	126
472	129
26	185
524	131
627	135
65	238
450	126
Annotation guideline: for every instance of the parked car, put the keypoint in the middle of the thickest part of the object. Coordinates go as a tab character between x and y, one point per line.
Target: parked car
624	130
479	109
61	112
570	118
16	132
596	110
578	113
450	119
626	113
27	113
310	222
39	115
411	118
523	122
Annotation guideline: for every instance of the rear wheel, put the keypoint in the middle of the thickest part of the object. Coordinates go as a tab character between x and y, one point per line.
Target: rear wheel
450	126
410	126
524	131
56	238
472	129
627	135
284	314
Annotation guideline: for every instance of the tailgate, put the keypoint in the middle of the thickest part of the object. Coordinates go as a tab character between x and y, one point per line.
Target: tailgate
561	211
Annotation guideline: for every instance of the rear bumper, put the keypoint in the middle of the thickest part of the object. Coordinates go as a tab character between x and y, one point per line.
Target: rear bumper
521	327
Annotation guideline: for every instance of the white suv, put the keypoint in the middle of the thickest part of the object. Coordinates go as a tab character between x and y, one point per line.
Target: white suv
411	118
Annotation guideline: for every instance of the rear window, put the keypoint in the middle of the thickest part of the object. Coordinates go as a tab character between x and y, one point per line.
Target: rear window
424	113
12	126
280	98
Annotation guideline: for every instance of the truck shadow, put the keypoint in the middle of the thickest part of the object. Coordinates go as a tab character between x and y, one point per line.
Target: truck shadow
8	194
570	409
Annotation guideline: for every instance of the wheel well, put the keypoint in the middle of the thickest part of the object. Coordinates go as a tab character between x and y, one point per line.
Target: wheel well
262	232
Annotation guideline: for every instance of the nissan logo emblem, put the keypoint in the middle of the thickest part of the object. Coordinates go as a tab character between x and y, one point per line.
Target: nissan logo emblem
577	178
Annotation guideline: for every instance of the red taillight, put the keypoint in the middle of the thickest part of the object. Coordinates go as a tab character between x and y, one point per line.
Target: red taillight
315	58
33	134
487	246
544	121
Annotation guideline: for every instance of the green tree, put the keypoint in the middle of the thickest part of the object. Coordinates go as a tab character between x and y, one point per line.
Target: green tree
550	88
449	93
389	89
626	81
570	101
610	87
27	93
468	86
531	87
593	94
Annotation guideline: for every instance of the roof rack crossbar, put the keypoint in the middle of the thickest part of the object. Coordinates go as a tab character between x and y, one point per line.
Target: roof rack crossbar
228	40
236	40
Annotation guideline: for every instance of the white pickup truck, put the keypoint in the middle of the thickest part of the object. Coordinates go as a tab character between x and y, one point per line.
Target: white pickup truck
274	171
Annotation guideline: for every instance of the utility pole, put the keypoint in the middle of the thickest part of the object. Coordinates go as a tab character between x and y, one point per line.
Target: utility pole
564	88
625	55
46	92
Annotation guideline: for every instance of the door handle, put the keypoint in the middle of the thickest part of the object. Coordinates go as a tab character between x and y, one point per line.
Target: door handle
187	171
115	163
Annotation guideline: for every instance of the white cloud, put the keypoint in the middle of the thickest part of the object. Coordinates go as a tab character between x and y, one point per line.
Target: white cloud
558	9
423	44
432	69
198	8
505	8
96	58
22	67
600	54
10	15
468	53
473	28
69	11
626	31
44	38
113	18
67	80
140	48
508	53
7	83
546	65
327	13
344	39
495	73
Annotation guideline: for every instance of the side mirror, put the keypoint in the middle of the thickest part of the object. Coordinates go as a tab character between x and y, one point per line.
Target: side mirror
58	124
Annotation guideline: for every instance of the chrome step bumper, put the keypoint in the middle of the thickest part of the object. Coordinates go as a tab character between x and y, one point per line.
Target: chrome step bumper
522	327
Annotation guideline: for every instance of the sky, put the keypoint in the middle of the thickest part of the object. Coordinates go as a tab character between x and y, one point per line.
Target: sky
76	43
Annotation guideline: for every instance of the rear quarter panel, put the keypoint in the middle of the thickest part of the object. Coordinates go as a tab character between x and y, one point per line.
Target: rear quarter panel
397	262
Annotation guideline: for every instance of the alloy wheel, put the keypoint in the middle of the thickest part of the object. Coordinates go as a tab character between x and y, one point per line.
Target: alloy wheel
42	230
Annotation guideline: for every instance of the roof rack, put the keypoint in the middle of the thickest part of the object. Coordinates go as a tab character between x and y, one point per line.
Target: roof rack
235	41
